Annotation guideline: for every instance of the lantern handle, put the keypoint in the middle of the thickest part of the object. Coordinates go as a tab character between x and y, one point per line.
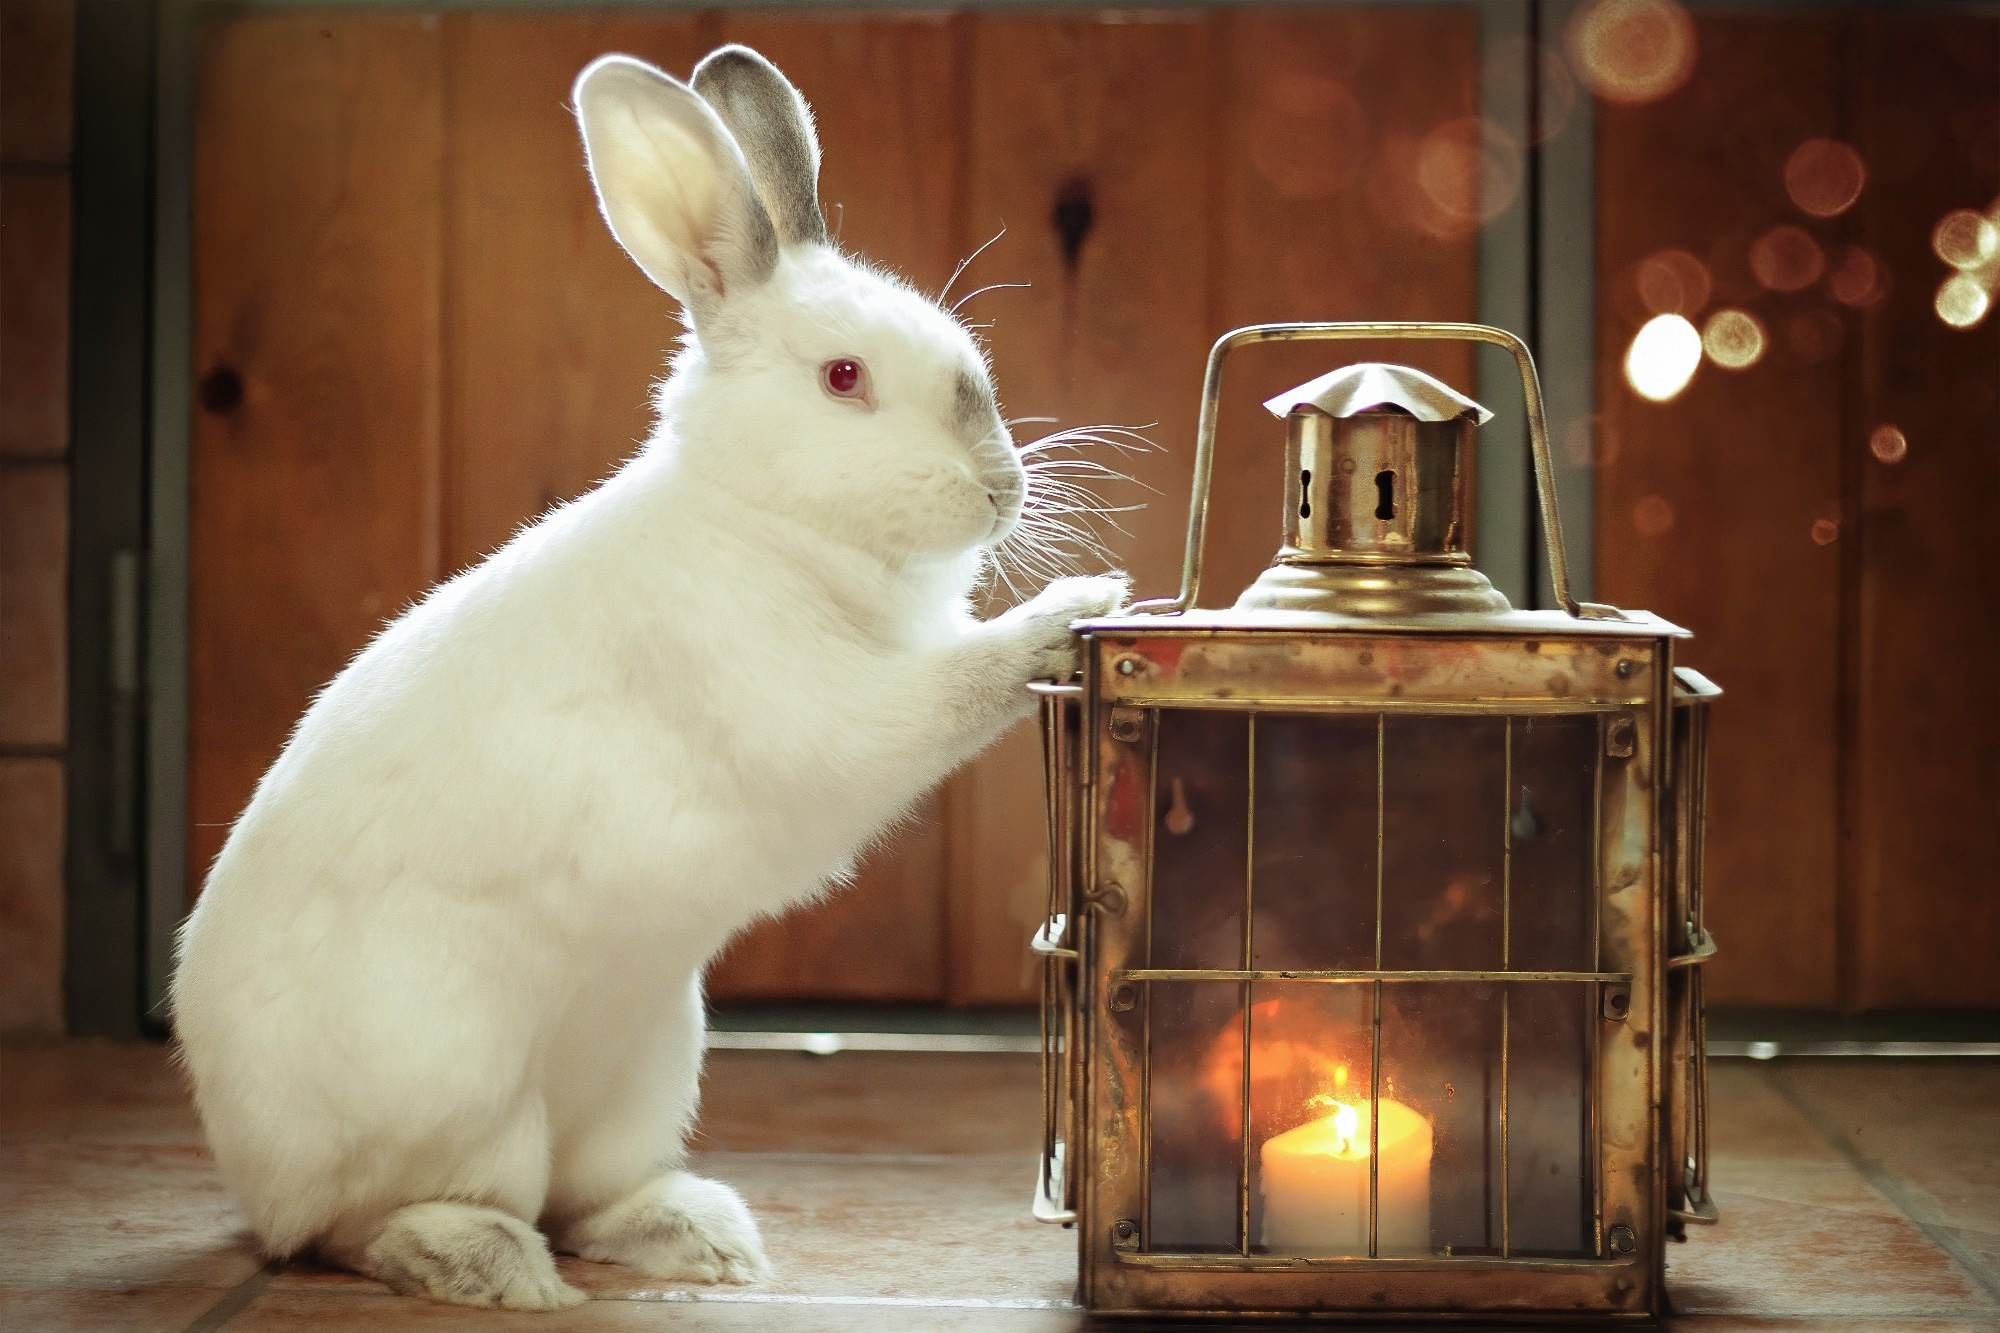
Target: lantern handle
1204	447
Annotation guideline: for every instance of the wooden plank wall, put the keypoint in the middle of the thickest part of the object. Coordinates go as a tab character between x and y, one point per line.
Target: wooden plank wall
1921	918
317	347
435	339
1843	602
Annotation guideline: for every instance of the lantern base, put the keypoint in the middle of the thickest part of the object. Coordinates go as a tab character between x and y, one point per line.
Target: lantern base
1356	588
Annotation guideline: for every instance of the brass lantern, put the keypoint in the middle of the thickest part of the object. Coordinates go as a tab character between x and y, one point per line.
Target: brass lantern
1373	950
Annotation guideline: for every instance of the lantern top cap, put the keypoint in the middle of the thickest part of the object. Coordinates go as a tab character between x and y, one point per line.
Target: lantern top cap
1373	384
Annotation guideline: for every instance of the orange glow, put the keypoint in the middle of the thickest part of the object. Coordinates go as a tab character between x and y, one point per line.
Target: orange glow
1859	279
1632	51
1888	444
1962	302
1298	1062
1673	282
1964	239
1824	177
1786	259
1733	339
1653	516
1663	357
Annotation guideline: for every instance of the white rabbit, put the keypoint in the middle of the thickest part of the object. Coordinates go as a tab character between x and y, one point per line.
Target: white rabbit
443	987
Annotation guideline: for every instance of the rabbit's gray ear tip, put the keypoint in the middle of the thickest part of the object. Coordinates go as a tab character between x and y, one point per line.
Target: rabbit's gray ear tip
728	59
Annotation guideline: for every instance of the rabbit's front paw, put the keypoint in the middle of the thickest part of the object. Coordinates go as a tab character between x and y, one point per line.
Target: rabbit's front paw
678	1227
1046	618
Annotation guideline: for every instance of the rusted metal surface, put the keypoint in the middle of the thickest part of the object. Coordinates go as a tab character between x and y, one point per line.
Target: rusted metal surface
1603	678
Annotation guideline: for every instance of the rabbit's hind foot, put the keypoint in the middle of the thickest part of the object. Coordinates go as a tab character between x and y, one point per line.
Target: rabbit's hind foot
462	1254
675	1227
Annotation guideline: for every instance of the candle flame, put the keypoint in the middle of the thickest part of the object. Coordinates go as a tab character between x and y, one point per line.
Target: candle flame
1346	1124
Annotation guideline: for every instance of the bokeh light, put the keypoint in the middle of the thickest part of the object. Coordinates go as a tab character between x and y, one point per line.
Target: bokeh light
1962	302
1824	177
1505	74
1733	339
1888	443
1663	357
1825	531
1469	169
1632	51
1653	516
1590	441
1859	279
1786	259
1964	239
1673	282
1307	136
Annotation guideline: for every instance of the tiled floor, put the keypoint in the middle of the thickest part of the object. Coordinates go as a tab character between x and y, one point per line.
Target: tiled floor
1857	1196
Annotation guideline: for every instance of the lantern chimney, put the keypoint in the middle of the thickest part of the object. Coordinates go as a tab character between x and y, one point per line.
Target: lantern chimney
1378	461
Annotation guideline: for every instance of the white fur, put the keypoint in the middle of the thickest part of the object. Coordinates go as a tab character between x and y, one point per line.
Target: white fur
446	970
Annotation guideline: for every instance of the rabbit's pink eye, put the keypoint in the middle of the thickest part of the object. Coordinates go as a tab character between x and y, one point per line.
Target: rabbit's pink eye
844	378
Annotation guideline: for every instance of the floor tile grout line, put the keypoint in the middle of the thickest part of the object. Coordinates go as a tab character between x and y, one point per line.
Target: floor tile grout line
1885	1184
236	1299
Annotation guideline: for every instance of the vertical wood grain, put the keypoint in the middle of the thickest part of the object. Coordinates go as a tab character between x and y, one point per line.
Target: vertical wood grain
1922	920
34	318
1325	116
553	336
881	90
1706	504
1109	113
318	221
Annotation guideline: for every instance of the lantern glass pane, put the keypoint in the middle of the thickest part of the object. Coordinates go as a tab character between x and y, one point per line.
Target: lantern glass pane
1552	836
1201	818
1310	1076
1441	1060
1551	1193
1315	832
1444	817
1194	1090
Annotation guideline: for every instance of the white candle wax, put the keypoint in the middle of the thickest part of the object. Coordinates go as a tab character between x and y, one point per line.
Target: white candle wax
1315	1184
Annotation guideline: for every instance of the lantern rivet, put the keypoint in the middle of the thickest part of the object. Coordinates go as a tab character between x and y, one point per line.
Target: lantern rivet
1127	724
1617	1002
1622	1240
1618	738
1626	666
1128	665
1125	998
1125	1234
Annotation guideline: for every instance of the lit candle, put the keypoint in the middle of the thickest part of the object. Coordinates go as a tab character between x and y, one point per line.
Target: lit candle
1315	1184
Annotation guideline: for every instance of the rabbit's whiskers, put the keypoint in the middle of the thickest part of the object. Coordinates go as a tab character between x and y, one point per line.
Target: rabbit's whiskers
1059	528
965	264
981	291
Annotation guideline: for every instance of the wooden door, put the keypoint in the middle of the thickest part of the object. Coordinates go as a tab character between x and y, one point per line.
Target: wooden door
413	333
1832	573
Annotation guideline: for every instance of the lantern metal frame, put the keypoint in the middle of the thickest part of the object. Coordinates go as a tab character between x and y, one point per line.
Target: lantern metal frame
1647	1081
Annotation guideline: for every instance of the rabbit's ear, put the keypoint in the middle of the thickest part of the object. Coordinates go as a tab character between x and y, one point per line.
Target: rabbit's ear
774	126
672	183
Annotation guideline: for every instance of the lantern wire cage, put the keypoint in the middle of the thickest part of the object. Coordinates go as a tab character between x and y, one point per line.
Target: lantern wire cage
1369	815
